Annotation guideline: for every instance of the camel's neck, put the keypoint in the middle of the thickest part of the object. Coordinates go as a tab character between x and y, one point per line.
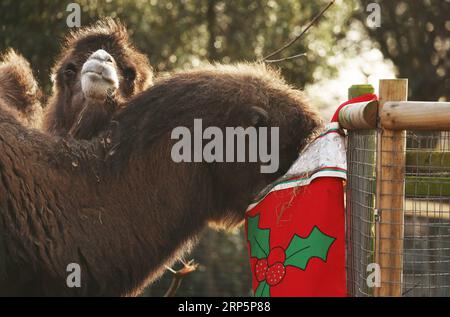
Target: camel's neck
118	212
146	214
93	117
119	225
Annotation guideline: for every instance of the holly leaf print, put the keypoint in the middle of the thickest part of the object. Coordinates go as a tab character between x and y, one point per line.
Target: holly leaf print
263	290
301	250
258	239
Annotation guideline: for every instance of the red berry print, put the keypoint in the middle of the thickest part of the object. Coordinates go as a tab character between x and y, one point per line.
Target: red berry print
275	274
276	255
261	269
272	260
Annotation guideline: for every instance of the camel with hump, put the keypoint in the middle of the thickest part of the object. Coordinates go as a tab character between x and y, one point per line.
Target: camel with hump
97	71
118	205
98	186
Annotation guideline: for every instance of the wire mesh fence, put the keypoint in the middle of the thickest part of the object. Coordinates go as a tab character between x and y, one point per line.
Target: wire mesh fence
427	215
360	199
411	240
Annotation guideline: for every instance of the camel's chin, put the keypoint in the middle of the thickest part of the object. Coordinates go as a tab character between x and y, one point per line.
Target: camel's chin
95	87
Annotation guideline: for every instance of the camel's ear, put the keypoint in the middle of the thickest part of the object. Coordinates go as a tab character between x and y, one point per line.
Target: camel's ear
258	116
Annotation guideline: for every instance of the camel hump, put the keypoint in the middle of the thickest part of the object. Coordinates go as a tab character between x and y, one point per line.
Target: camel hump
19	91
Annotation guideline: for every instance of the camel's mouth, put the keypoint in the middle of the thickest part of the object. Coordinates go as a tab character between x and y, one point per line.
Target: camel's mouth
98	77
95	76
95	71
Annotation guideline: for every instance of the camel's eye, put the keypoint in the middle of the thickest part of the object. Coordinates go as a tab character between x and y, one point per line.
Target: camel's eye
70	71
129	74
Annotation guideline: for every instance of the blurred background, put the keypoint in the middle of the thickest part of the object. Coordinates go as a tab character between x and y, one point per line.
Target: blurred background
412	41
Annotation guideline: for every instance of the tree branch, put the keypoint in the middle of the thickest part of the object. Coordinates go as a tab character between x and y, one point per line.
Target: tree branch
284	59
310	24
178	277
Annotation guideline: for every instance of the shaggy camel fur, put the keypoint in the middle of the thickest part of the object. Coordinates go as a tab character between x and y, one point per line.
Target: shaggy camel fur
19	92
118	205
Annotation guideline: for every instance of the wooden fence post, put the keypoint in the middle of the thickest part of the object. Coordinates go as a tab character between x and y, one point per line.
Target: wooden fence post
390	189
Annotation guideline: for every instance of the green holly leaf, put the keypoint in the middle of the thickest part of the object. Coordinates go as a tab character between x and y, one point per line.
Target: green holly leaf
263	290
301	250
258	238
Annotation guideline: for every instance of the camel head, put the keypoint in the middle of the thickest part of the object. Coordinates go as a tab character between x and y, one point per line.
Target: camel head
98	67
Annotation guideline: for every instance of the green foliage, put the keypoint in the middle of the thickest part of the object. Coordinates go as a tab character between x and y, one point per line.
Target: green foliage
414	35
176	34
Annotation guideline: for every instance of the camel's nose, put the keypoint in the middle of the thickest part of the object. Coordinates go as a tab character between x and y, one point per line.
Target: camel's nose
102	56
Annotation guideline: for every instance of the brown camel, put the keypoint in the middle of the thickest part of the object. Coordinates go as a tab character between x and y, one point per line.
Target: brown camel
118	205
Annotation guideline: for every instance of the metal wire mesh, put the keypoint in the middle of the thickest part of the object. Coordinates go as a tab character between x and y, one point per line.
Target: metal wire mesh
422	257
427	215
360	199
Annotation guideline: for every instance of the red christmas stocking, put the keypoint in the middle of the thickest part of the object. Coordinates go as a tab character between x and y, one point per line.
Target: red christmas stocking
296	230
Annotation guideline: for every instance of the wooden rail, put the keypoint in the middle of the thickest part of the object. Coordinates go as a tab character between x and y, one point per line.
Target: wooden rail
416	115
359	116
397	116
